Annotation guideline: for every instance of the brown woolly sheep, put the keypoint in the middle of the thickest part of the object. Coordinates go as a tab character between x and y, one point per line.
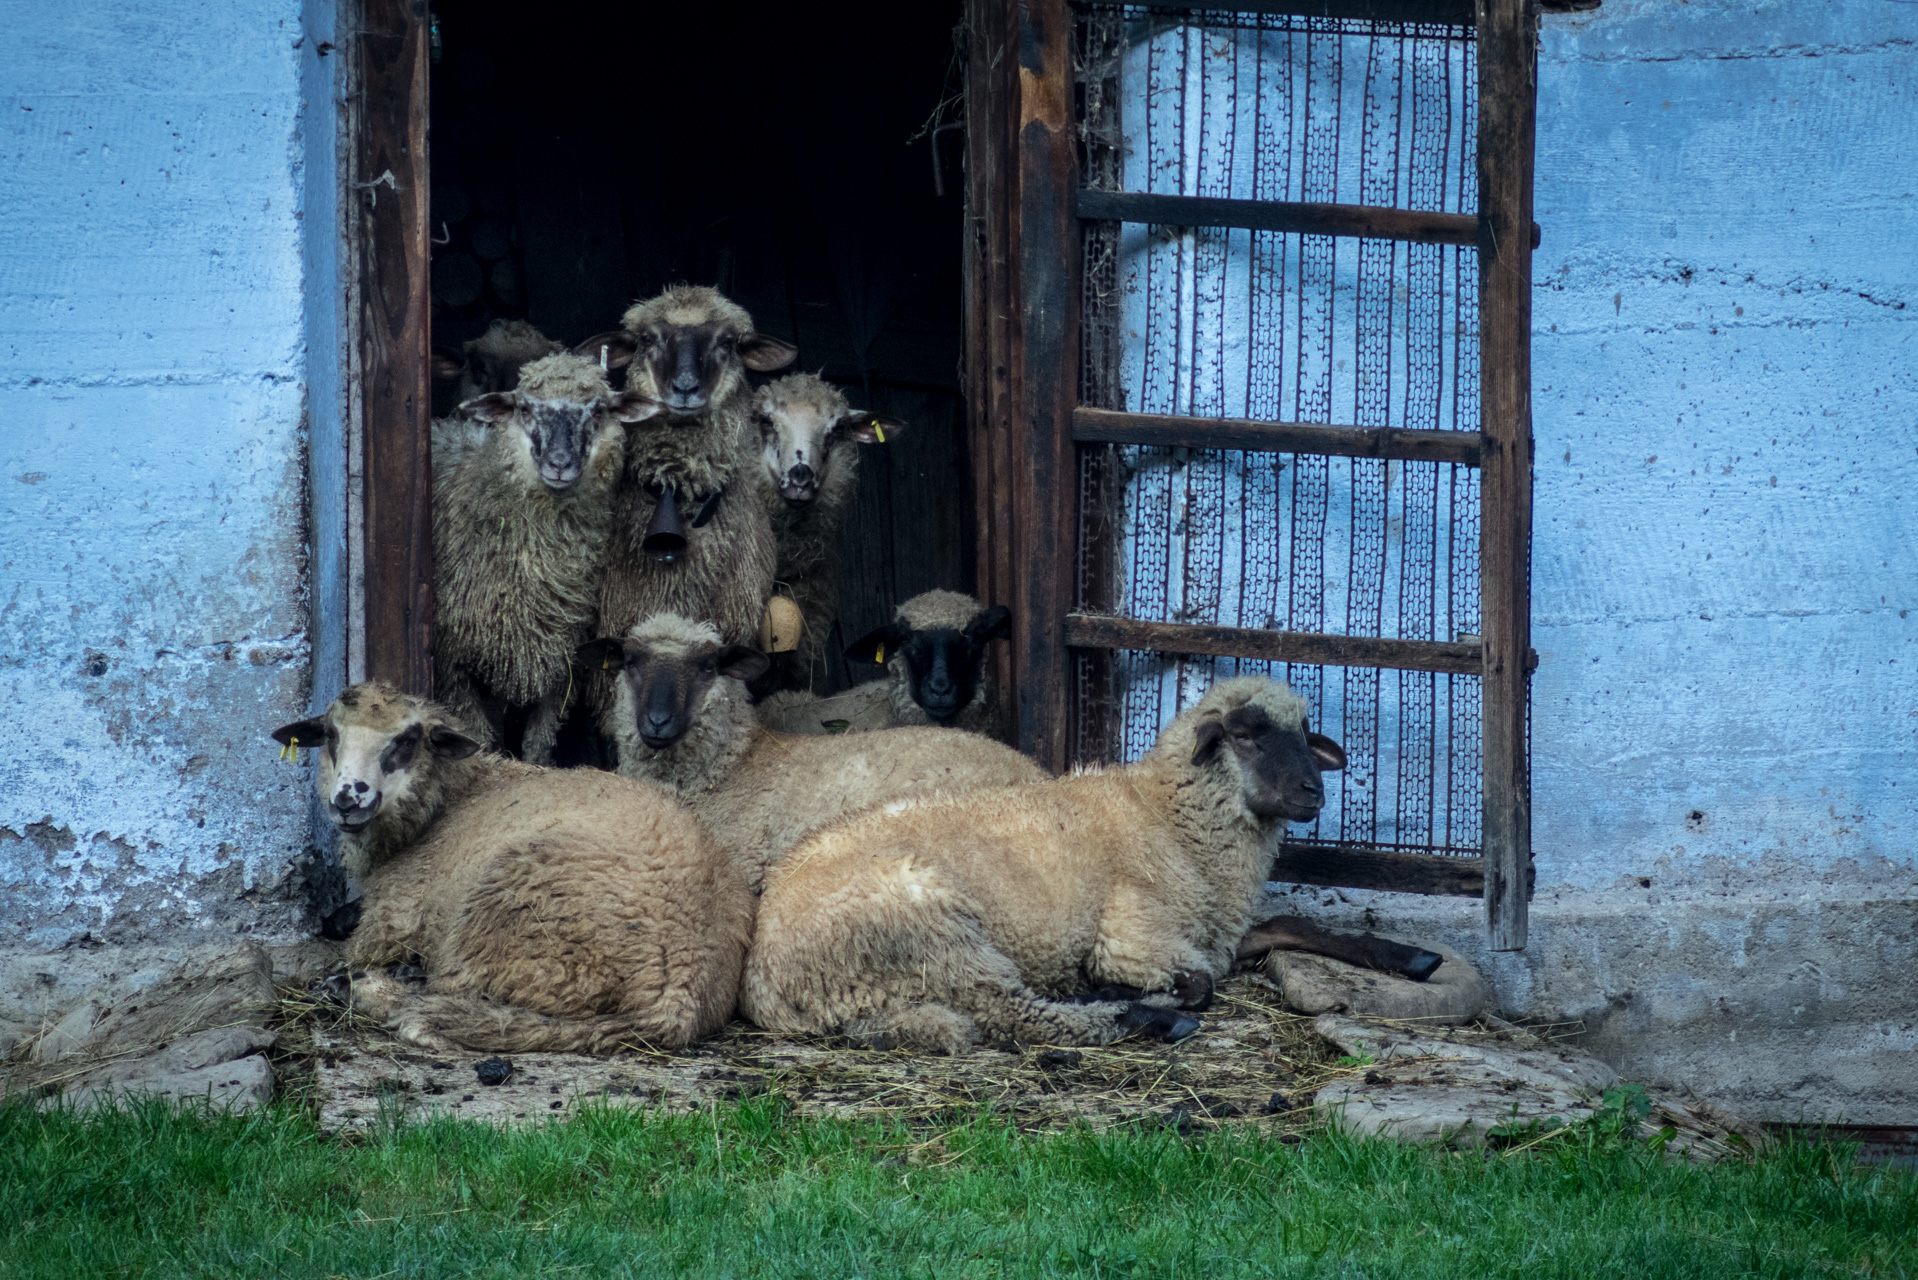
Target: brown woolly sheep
492	361
810	438
553	910
522	509
935	653
684	720
928	923
690	531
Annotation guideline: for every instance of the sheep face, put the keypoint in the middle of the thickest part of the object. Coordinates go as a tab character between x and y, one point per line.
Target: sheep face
1278	765
669	683
688	348
561	439
800	426
943	664
492	361
370	743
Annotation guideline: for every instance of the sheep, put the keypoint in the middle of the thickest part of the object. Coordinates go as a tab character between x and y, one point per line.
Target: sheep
690	530
684	720
553	910
492	361
523	489
928	923
809	438
935	653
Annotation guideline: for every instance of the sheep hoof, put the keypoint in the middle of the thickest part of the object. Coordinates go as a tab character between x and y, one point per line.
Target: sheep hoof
409	973
1193	990
1423	965
334	988
1168	1025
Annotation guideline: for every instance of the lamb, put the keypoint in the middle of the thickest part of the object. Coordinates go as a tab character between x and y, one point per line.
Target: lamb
935	652
553	910
684	720
809	437
928	924
523	491
492	361
690	531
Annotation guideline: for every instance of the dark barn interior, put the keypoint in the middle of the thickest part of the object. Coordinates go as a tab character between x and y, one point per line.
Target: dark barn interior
586	155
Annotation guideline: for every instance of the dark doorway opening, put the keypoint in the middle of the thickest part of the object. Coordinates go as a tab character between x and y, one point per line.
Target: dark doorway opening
586	155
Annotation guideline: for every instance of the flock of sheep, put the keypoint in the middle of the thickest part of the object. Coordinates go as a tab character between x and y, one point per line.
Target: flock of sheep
873	865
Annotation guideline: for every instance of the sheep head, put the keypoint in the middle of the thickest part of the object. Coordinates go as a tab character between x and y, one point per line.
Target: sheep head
561	409
802	420
492	361
371	741
688	348
940	639
1257	729
668	667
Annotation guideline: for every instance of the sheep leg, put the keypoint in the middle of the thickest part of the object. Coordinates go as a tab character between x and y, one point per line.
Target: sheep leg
542	729
1367	950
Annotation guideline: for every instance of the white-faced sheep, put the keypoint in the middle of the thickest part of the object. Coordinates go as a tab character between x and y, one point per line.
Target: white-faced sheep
690	531
927	924
553	910
810	438
935	651
683	719
522	511
492	361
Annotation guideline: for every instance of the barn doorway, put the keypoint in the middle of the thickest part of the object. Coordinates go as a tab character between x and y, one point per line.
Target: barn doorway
586	155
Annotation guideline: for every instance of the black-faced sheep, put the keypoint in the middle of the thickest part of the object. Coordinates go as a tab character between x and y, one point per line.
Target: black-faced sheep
929	923
492	361
553	910
935	651
690	530
523	486
683	719
810	438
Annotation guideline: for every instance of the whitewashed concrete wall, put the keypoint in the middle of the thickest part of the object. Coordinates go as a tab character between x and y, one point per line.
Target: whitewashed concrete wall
153	620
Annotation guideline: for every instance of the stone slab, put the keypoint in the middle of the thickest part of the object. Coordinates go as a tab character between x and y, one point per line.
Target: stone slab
1456	993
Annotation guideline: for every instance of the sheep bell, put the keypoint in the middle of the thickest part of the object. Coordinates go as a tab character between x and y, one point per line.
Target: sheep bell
665	538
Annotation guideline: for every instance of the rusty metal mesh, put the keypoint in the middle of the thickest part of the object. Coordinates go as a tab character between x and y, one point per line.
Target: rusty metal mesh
1212	322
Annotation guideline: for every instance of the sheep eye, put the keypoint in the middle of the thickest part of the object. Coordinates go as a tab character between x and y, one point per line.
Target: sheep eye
647	339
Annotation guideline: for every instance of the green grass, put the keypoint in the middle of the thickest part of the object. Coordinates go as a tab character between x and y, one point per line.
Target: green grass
748	1191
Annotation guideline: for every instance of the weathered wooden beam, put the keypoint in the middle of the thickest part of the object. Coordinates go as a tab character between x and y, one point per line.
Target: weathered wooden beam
1507	61
1368	221
1095	426
395	388
1098	631
1347	866
1456	13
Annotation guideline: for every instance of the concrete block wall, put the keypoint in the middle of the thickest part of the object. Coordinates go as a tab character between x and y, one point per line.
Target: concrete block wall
153	618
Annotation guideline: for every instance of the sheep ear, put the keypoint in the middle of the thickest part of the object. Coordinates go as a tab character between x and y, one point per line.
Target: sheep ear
605	654
618	345
763	353
1328	753
631	406
491	407
1206	739
878	644
862	427
308	733
742	662
990	625
448	364
449	744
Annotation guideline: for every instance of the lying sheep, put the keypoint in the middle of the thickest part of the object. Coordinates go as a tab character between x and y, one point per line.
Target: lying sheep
928	924
810	440
523	491
492	361
935	653
690	531
553	910
683	719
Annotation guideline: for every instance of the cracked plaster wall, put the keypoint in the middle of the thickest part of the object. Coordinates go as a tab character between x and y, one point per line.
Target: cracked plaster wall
153	621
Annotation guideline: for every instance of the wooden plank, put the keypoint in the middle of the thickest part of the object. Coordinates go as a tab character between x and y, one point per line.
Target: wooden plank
1507	110
1098	631
1048	258
1273	215
1172	431
1359	867
1457	13
395	388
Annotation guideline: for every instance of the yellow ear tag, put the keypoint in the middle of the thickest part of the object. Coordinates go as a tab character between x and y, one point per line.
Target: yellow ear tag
879	433
879	653
291	751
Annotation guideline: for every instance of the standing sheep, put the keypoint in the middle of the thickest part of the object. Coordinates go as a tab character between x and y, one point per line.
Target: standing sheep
810	440
522	509
492	361
683	719
935	653
553	910
927	924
